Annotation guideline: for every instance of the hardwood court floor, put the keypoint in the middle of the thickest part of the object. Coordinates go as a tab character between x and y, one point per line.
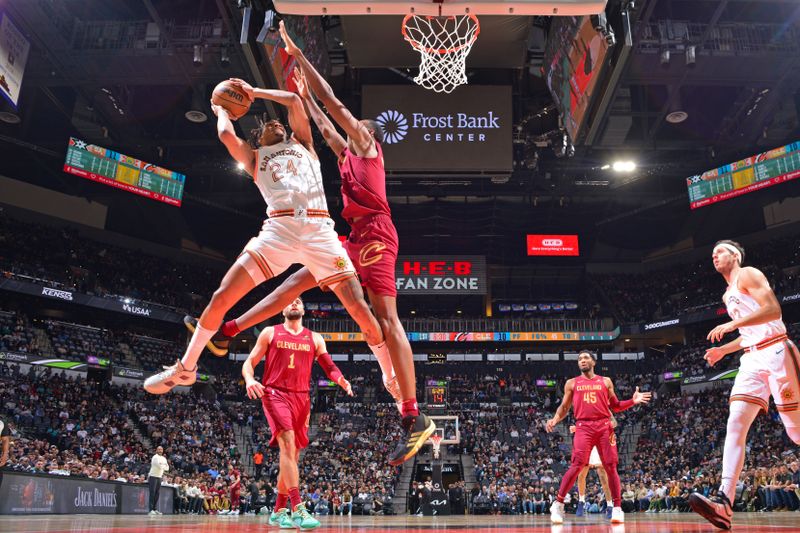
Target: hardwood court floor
635	523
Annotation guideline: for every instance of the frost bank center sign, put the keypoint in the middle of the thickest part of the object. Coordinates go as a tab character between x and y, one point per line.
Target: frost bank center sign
468	130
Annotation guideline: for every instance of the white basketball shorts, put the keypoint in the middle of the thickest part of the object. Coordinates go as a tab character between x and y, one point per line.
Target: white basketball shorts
311	242
773	370
594	458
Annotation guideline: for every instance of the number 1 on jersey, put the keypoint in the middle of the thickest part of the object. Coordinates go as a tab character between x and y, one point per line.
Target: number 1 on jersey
291	361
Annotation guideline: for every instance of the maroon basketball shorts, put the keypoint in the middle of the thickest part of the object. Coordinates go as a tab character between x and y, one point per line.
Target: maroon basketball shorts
372	247
287	411
591	433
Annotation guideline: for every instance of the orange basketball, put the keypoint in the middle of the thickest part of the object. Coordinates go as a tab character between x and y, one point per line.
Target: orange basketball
231	97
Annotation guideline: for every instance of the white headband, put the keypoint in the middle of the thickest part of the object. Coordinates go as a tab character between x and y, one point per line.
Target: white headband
732	249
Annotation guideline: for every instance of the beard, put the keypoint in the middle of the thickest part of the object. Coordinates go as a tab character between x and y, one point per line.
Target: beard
293	315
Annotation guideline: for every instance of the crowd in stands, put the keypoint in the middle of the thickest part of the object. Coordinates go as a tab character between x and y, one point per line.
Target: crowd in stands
680	288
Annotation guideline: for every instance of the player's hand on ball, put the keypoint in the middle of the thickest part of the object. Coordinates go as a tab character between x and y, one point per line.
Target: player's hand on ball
291	48
255	390
217	109
246	88
713	355
550	425
716	334
641	397
343	383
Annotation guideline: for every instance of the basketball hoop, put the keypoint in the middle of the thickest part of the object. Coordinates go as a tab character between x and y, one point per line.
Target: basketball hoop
436	440
443	44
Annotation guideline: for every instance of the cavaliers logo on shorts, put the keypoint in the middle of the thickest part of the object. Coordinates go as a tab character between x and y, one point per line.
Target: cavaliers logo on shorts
612	439
371	253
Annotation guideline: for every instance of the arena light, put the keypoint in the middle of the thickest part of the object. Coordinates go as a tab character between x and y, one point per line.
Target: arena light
240	166
624	166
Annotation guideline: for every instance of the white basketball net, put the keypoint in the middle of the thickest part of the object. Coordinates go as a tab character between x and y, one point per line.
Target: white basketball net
436	440
443	44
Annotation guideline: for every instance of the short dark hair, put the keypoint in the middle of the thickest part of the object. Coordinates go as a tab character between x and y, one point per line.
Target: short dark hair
377	129
590	353
735	245
256	133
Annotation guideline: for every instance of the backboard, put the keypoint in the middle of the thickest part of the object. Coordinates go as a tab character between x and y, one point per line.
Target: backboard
443	8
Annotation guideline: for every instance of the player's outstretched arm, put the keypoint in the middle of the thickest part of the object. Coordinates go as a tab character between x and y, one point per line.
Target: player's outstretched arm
254	388
331	370
618	406
239	149
324	124
753	282
350	124
563	409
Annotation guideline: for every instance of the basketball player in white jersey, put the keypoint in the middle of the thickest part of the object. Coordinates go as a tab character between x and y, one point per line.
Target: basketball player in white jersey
770	366
286	170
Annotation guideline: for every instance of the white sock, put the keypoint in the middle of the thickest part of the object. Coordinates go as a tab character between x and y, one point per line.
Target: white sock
582	498
609	503
381	352
740	419
200	337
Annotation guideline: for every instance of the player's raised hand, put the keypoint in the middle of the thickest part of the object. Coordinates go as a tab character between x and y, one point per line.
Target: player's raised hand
255	390
291	48
550	425
641	397
300	82
343	383
716	334
713	355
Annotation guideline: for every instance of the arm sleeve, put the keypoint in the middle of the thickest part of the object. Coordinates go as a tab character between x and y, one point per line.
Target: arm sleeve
330	368
619	406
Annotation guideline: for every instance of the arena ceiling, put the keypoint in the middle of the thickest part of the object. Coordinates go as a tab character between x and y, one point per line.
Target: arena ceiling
120	73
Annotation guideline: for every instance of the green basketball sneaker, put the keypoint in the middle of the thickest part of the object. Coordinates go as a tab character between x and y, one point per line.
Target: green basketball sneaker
281	517
303	519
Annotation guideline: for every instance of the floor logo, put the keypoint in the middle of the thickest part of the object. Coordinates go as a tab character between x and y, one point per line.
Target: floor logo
395	126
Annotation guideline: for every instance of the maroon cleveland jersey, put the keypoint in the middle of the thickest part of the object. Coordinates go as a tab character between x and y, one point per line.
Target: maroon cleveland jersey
289	360
363	185
590	399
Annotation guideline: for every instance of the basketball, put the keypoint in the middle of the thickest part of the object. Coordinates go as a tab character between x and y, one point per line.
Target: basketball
230	96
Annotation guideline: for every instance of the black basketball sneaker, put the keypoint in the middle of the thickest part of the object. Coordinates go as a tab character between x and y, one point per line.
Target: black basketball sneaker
716	509
218	344
416	431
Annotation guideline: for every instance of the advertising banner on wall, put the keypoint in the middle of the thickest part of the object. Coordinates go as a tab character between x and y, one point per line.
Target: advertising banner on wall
468	130
135	309
45	494
441	274
551	245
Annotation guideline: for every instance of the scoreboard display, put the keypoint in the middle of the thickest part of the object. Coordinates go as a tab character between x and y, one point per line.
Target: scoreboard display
436	395
751	174
123	172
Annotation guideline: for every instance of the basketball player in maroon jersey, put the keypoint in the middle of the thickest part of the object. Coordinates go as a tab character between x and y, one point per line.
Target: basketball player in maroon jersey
372	246
235	488
770	366
593	398
290	351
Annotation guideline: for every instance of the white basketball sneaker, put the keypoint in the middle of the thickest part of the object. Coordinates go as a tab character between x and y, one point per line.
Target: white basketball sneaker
557	512
393	387
172	376
617	516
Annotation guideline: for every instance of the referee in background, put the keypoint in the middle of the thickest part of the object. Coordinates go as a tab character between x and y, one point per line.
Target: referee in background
158	465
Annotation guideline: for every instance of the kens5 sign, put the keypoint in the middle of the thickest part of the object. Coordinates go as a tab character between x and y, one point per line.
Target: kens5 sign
553	245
